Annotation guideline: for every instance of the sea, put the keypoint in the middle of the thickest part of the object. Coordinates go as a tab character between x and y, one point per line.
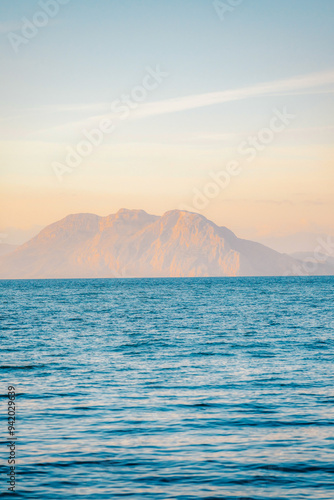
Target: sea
186	388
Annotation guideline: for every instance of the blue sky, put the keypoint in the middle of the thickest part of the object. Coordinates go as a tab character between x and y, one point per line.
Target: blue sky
91	53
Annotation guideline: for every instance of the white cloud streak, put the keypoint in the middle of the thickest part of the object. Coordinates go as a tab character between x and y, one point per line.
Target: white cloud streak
290	85
299	85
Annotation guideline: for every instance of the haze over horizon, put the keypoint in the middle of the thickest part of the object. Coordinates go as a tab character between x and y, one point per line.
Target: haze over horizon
207	97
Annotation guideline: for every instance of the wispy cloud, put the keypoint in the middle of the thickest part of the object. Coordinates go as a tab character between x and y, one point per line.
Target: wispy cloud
290	85
312	82
299	85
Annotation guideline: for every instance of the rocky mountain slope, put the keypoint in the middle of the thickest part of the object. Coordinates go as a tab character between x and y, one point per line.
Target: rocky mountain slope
132	243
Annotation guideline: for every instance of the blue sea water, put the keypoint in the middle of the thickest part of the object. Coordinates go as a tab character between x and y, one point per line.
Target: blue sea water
209	388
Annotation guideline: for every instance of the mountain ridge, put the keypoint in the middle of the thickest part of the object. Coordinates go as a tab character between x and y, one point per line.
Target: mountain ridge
133	243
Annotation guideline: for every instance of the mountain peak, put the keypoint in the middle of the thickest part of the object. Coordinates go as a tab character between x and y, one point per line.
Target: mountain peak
133	243
184	215
128	211
134	216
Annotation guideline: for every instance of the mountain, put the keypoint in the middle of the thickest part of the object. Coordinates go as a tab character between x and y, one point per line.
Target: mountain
310	259
132	243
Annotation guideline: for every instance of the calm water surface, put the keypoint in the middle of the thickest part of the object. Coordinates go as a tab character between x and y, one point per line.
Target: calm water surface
171	388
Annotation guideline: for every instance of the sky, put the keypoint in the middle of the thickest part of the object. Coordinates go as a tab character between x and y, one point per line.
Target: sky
221	108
